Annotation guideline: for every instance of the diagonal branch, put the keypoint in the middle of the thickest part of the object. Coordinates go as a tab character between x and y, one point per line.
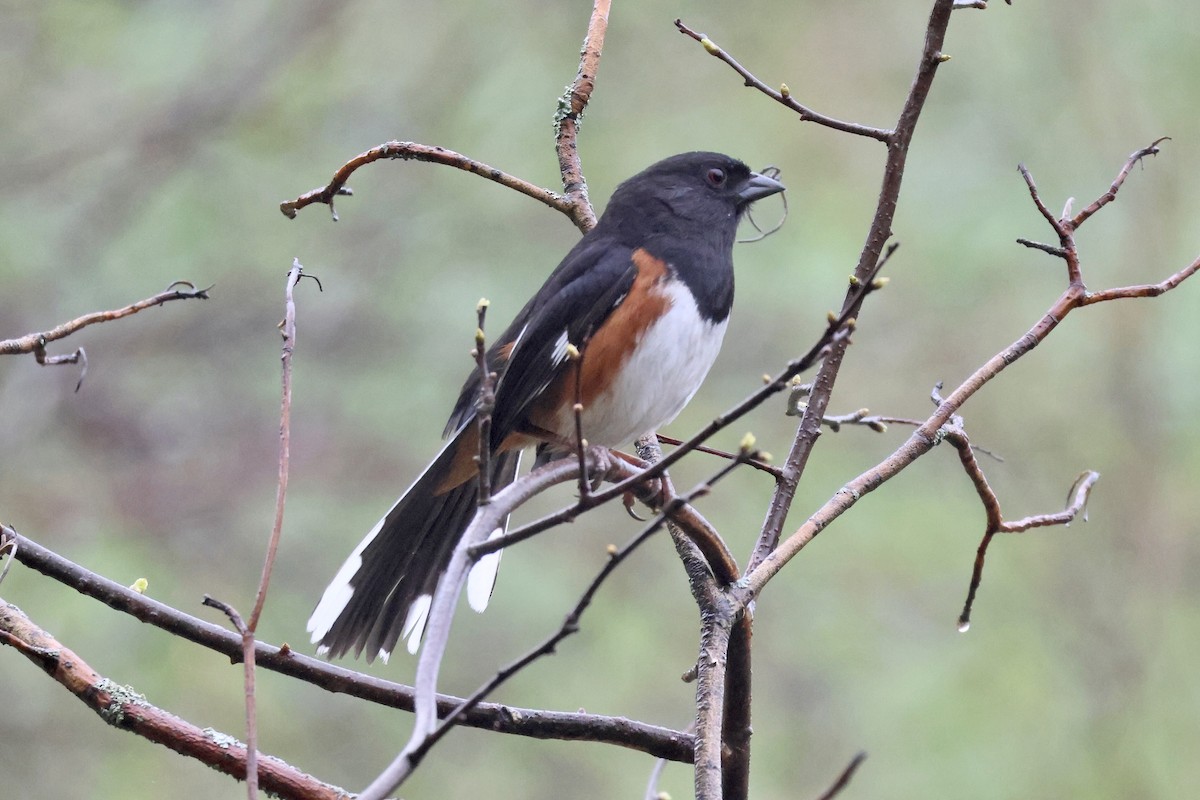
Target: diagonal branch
570	624
127	710
871	259
651	739
783	95
1106	198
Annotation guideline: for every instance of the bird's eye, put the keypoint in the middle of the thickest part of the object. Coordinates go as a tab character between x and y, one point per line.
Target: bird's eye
716	177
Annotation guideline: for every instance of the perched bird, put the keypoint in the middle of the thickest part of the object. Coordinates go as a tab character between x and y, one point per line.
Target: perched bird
645	298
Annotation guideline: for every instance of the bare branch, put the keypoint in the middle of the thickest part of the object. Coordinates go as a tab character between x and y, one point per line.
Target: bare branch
35	343
930	432
125	709
650	739
569	626
871	259
1106	198
783	94
487	404
1076	504
413	151
1143	290
759	463
843	780
570	116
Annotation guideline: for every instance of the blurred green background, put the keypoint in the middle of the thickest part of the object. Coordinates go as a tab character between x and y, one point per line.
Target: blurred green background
145	142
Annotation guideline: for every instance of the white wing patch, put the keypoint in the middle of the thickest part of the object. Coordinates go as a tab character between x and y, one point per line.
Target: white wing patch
560	349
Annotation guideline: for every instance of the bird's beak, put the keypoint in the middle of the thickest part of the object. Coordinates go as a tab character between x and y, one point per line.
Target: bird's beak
758	187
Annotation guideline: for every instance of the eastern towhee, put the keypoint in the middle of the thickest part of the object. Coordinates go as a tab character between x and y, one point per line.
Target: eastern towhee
645	298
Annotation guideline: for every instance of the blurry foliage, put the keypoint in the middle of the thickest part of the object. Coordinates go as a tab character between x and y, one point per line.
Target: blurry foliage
146	142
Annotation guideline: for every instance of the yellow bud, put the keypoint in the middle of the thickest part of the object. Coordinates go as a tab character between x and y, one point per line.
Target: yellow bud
764	456
854	281
832	317
748	442
572	352
140	585
611	550
784	90
482	304
943	58
710	45
879	283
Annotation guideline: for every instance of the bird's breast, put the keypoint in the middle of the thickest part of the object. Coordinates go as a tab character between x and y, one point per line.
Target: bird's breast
643	385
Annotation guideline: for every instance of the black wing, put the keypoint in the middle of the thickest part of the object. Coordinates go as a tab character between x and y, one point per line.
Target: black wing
575	300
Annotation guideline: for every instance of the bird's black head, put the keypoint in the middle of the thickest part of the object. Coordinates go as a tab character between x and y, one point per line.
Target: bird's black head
687	194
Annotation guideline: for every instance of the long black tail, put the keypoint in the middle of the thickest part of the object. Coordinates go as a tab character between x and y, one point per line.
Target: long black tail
382	591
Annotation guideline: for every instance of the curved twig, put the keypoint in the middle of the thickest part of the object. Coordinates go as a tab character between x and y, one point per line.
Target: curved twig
414	151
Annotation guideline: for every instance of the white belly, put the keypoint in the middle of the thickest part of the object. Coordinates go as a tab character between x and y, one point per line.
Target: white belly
674	355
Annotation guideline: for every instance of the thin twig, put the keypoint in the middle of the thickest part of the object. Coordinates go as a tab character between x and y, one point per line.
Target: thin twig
414	151
782	94
838	330
581	443
1143	290
843	780
1100	202
930	432
1076	505
1058	252
35	343
756	463
487	404
873	256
